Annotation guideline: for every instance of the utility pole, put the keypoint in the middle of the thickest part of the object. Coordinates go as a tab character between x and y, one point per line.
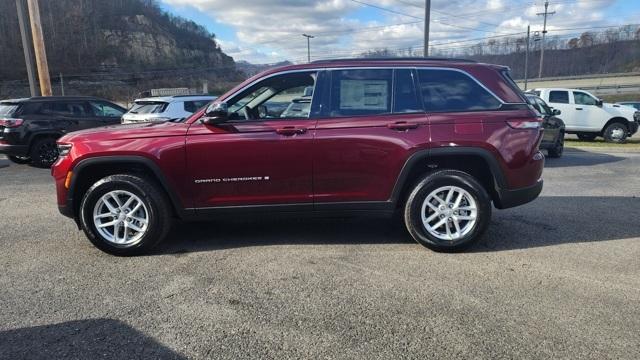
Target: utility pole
38	45
61	84
544	32
526	59
308	46
23	21
427	21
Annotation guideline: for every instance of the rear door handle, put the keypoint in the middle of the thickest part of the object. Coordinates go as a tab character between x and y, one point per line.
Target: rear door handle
578	108
402	126
291	130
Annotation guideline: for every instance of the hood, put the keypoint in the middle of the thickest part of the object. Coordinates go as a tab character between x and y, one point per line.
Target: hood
621	110
128	131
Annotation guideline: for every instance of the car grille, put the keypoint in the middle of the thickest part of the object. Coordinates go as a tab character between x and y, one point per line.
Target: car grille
636	116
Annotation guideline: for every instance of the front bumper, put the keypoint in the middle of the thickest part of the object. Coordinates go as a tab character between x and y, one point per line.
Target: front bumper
511	198
14	150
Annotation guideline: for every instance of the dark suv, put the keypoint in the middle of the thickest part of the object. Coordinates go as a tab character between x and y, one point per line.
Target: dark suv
436	140
29	127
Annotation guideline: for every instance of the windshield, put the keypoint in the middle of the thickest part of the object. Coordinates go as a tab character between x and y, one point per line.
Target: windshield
8	109
148	107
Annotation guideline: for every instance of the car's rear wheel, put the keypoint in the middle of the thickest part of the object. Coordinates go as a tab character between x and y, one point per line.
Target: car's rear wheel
44	152
125	214
616	133
19	159
448	210
587	136
558	148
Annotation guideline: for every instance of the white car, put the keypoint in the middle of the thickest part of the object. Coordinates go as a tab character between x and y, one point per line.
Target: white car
588	117
165	108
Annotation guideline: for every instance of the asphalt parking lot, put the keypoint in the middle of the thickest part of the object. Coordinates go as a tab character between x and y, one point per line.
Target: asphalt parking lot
557	278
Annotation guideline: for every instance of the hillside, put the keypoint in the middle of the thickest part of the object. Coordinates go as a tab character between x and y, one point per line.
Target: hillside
615	57
130	44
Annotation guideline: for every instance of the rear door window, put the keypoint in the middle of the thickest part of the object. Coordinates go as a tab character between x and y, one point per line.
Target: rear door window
405	97
359	92
64	108
453	91
559	97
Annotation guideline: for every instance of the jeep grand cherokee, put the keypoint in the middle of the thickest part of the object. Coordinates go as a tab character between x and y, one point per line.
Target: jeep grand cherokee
436	140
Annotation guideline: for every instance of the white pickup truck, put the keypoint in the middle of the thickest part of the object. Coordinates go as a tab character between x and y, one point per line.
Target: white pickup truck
588	117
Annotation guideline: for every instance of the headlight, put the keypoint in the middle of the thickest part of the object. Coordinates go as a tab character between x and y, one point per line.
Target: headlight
64	149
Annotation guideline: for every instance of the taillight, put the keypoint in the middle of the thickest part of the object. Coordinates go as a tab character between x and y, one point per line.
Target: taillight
526	123
11	123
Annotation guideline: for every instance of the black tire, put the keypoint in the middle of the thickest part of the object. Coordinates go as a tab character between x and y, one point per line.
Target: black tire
557	150
587	136
616	133
432	182
19	159
44	152
154	199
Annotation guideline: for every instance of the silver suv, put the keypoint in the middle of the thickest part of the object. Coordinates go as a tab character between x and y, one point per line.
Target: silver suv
165	108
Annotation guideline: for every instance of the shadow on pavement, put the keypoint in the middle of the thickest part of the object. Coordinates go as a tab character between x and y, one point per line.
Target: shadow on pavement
576	157
547	221
82	339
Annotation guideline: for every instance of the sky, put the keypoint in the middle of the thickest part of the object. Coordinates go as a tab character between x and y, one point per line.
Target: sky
269	31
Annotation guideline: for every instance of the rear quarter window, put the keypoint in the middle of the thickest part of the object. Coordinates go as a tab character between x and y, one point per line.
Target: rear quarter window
9	109
453	91
559	97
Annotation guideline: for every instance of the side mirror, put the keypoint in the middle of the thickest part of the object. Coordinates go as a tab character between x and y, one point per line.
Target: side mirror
216	114
599	102
556	112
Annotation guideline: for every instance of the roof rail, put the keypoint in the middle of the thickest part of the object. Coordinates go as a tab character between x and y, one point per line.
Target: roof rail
395	59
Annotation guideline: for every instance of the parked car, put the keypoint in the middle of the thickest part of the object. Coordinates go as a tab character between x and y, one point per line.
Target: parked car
29	127
588	117
633	104
553	138
436	140
166	108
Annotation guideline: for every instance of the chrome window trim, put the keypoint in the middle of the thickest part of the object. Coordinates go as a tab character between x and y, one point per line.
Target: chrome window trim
317	70
313	97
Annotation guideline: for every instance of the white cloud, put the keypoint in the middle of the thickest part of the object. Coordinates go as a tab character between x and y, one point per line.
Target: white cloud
271	30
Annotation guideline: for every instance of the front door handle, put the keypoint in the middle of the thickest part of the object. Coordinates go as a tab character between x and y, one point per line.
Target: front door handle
402	126
578	108
291	130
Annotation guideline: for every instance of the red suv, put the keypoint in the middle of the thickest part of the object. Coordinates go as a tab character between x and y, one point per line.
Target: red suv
437	140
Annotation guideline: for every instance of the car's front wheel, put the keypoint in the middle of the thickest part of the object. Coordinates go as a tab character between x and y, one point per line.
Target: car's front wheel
125	214
448	210
616	133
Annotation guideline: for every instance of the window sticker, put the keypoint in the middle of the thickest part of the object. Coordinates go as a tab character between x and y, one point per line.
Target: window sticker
363	94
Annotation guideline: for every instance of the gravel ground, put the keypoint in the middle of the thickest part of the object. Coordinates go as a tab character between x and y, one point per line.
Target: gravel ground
557	278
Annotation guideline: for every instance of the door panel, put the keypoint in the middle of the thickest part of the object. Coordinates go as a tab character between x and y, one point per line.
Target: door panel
359	159
249	163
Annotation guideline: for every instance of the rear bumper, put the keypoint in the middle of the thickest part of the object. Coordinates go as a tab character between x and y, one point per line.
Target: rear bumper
66	210
511	198
14	150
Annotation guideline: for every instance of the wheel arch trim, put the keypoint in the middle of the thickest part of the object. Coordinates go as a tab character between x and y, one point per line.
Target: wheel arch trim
499	179
151	165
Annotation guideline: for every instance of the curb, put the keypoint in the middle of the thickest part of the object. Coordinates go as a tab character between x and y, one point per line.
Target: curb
597	149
